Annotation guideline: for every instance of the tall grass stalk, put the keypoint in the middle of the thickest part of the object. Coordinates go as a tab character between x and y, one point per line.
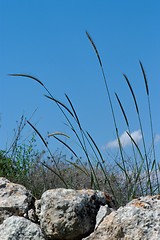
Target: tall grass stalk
133	181
136	172
154	163
74	115
143	139
85	137
111	106
58	174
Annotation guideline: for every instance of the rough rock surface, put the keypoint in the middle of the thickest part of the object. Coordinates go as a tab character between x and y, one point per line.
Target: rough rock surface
69	214
20	228
15	199
138	220
102	213
74	214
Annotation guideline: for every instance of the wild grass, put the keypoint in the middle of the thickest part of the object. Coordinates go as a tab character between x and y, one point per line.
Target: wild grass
126	178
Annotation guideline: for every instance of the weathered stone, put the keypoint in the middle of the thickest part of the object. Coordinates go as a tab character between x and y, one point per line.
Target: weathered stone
38	208
69	214
102	213
18	228
32	216
15	199
138	220
74	214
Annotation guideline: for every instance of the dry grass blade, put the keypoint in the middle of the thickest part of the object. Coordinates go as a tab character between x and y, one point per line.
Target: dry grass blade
58	133
153	165
38	134
58	175
96	147
83	143
151	124
78	167
145	78
135	144
102	168
122	109
27	76
138	169
66	145
75	114
120	104
108	93
132	92
60	103
94	46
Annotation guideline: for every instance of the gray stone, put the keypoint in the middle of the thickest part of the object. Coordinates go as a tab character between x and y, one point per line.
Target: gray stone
15	199
38	208
138	220
75	214
102	213
20	228
69	214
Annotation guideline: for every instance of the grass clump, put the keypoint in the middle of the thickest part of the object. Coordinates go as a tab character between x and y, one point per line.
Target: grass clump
126	178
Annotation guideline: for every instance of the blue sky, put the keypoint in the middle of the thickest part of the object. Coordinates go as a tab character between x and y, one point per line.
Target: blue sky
47	39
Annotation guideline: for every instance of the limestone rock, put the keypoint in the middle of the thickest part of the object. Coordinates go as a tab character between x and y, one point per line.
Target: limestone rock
15	199
18	228
74	214
38	208
138	220
102	213
69	214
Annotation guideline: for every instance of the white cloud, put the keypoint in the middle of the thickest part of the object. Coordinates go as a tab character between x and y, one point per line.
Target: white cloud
125	139
157	138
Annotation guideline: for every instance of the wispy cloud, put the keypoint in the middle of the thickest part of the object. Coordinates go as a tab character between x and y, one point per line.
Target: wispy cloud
157	138
125	139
